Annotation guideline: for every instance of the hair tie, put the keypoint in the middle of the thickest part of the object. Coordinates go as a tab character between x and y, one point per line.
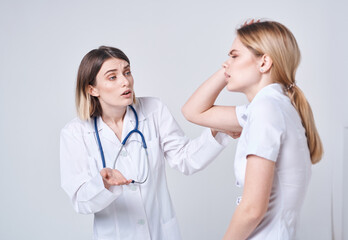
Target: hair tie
291	86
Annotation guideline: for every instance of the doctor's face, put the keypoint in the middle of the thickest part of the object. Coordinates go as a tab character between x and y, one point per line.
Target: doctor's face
114	84
241	68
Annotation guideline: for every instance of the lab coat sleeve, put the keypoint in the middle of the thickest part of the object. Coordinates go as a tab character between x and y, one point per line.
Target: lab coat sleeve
85	189
241	116
188	156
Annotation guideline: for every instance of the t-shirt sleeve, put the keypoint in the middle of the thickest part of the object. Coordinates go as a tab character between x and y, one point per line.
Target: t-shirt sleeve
241	114
266	130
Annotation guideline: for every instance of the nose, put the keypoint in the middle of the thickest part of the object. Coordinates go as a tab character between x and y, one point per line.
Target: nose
225	64
124	81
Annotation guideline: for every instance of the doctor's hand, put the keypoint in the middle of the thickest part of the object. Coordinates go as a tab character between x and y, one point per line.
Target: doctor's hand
113	177
232	134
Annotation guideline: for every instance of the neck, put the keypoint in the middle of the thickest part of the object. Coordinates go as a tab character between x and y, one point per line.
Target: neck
114	116
254	89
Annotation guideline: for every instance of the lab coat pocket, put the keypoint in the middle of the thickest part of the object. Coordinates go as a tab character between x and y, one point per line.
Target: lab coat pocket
171	230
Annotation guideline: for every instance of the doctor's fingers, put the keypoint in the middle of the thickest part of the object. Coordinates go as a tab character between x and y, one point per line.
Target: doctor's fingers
116	178
118	182
234	135
106	173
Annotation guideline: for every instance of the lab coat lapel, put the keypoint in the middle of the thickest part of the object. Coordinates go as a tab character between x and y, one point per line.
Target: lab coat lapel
127	124
106	132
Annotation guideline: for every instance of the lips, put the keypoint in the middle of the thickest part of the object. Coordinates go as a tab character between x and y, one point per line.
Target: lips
126	92
227	76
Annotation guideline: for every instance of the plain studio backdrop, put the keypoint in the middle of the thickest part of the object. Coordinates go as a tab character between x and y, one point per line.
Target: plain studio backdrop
173	47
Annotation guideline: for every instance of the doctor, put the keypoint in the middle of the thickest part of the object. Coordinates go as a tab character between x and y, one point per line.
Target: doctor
129	196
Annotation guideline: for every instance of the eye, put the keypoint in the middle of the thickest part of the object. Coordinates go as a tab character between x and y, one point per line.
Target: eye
128	73
233	56
112	78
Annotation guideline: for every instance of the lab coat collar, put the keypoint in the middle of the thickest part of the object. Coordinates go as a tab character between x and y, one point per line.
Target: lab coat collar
129	123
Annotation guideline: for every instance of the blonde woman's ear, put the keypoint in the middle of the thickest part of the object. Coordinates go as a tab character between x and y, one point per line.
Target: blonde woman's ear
266	63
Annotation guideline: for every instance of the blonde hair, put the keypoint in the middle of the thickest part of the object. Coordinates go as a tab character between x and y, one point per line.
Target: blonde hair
88	106
275	40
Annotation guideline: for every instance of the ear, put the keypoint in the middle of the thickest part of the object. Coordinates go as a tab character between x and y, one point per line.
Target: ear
93	91
265	63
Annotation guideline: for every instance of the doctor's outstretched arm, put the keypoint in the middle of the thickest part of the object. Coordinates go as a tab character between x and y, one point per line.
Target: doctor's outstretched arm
89	193
200	108
184	154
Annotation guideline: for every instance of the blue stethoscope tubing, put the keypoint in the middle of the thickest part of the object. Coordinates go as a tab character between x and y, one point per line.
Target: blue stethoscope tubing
135	130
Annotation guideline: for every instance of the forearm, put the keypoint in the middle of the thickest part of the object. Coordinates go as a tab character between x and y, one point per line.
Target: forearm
190	156
243	222
91	196
204	97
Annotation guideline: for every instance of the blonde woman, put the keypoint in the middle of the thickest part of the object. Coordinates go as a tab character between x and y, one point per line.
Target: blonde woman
279	141
112	155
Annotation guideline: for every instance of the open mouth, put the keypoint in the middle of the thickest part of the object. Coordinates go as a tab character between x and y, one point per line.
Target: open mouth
126	93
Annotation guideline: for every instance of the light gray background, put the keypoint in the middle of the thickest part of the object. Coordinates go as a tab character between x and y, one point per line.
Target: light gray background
173	47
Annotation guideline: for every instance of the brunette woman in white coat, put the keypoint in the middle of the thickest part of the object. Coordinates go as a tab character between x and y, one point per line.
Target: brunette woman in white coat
128	196
279	141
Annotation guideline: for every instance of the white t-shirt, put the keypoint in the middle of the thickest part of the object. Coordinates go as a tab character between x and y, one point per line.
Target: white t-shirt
272	129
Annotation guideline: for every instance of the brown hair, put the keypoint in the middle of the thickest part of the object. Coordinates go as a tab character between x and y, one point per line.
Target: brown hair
275	40
88	106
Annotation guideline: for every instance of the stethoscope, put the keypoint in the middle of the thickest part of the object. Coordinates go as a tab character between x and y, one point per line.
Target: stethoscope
135	130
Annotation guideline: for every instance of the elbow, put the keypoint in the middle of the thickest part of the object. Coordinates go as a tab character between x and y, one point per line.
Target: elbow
86	209
188	114
254	213
185	112
83	209
257	216
188	172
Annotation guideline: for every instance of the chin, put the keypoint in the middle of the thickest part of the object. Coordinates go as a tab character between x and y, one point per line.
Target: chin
231	88
129	101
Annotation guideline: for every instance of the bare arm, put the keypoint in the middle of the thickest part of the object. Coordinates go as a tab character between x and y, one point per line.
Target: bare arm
255	199
200	108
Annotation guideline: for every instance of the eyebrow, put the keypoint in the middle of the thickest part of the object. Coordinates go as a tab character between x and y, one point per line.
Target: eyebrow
115	70
231	52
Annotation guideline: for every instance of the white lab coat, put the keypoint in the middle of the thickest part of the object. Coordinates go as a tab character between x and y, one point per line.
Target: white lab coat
132	211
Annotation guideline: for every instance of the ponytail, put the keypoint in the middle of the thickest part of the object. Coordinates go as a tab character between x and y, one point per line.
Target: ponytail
304	110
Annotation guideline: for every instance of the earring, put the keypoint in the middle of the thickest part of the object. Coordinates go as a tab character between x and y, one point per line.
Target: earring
261	70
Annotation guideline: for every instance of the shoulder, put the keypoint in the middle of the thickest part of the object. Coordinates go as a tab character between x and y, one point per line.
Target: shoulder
153	107
149	102
150	105
76	126
265	104
267	109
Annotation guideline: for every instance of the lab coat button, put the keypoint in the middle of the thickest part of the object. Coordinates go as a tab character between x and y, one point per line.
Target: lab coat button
239	199
124	153
238	184
141	222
